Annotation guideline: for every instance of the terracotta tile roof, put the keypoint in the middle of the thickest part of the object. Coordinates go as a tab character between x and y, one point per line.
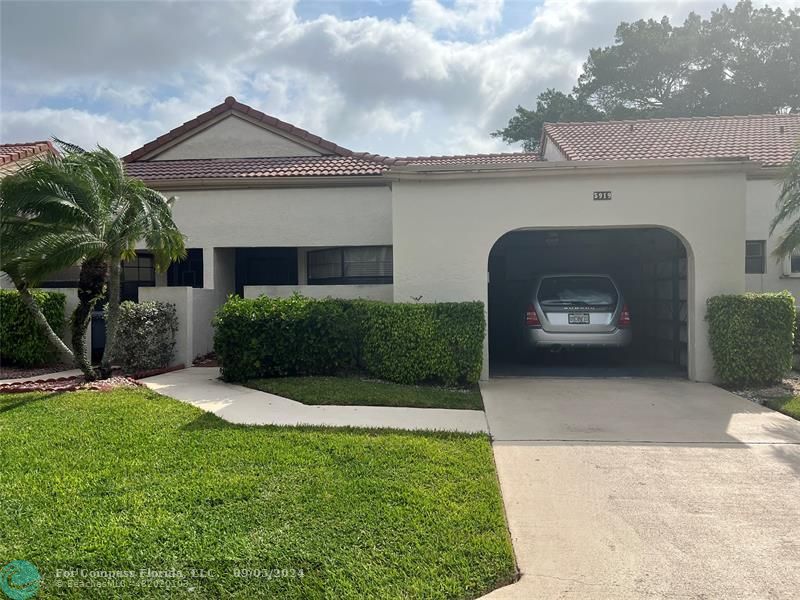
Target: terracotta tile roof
292	166
470	159
231	104
768	139
302	166
10	153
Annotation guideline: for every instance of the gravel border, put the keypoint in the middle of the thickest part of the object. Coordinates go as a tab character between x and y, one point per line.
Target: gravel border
789	386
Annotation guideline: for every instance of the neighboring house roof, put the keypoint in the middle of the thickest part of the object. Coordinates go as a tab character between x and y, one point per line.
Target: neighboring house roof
10	153
768	139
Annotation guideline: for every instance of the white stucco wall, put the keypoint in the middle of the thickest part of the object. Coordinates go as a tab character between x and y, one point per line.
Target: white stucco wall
444	230
551	151
381	292
234	137
333	216
762	195
195	309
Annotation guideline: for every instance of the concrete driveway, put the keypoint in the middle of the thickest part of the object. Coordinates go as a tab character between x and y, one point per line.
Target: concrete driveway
637	488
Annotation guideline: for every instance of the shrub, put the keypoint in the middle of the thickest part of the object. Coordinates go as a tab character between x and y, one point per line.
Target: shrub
269	337
406	343
22	342
145	335
412	343
751	336
796	347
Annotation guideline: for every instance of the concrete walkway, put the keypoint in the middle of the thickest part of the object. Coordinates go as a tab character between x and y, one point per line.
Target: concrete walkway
626	488
201	387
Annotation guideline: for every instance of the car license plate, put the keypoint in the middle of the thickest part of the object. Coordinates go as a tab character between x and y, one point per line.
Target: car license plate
578	318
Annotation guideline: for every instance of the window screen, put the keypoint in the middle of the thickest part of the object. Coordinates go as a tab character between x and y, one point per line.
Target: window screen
356	264
325	264
754	256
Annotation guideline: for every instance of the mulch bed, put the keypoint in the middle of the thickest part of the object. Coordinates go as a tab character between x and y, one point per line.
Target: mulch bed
13	372
67	384
78	382
207	360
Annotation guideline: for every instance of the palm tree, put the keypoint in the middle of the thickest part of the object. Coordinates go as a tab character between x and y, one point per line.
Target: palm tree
81	208
789	208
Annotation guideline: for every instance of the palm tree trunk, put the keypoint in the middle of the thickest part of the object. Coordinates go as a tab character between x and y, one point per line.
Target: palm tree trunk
112	317
91	283
33	306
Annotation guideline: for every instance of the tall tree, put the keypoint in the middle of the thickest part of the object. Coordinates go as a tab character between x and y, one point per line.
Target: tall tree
81	208
551	105
753	56
645	72
743	60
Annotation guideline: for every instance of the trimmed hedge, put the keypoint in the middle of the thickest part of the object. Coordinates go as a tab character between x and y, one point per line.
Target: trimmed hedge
751	336
273	337
22	341
146	335
405	343
412	343
796	346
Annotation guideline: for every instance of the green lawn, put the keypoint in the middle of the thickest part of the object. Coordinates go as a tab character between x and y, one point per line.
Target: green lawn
129	480
367	392
788	406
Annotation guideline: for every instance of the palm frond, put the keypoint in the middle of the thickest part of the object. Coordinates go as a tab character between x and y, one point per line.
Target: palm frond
82	204
68	147
788	209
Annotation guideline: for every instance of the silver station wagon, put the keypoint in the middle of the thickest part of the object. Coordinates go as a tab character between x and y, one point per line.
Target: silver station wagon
576	310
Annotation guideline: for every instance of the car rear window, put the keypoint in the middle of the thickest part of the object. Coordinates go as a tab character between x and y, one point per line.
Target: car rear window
580	290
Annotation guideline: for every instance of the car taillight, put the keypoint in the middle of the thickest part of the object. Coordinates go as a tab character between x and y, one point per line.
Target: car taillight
624	317
531	318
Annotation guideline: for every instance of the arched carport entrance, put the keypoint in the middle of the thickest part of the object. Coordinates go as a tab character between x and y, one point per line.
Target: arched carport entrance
650	266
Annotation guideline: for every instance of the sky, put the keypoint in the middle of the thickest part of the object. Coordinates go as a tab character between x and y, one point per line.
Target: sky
398	78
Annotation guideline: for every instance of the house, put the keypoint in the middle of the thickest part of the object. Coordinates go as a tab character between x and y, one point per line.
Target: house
678	210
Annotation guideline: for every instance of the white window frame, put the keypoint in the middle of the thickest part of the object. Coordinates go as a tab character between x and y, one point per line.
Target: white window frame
787	267
763	256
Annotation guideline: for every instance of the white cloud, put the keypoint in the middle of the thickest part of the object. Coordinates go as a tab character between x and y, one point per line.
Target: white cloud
78	127
477	16
437	80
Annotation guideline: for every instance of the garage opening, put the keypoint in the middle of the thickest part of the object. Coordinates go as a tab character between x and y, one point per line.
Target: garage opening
648	266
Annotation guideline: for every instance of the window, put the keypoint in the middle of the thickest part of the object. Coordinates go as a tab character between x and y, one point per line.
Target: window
189	271
136	273
754	256
794	262
577	291
350	265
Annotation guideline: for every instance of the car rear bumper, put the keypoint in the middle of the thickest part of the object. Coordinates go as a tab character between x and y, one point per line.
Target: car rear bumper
619	338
